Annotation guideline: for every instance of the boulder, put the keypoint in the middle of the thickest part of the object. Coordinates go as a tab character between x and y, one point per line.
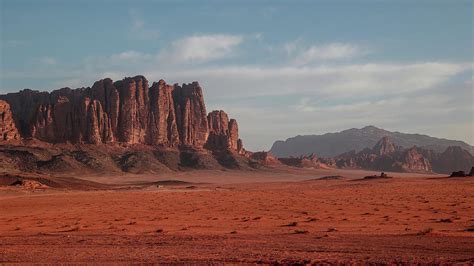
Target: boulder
458	174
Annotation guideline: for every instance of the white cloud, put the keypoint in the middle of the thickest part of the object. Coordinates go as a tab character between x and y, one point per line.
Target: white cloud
330	51
202	48
291	47
131	56
324	81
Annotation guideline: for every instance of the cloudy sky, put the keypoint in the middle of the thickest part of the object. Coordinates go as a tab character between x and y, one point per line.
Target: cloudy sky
281	68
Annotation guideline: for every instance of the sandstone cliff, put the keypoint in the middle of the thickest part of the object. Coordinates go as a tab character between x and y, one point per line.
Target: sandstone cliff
126	111
223	133
8	130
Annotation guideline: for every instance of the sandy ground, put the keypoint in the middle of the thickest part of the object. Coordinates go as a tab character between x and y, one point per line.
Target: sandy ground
404	219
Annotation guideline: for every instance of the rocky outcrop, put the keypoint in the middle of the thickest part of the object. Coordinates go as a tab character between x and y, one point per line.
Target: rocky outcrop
191	114
240	146
163	124
411	160
334	144
306	161
126	111
8	130
385	156
265	158
223	133
234	135
219	137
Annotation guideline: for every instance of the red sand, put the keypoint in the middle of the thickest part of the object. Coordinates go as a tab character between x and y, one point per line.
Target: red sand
418	219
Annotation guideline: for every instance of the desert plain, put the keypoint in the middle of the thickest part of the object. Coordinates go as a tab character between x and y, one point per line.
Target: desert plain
286	215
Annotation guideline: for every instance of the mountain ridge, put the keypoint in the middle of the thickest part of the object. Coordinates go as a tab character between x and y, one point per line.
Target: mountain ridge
335	143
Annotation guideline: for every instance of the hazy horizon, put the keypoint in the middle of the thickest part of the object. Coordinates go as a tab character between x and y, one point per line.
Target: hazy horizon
281	69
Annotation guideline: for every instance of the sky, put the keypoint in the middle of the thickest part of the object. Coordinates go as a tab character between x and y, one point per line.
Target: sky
281	68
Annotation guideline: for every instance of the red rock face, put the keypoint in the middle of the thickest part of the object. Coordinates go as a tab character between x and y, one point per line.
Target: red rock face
162	116
106	93
218	130
131	128
191	114
223	134
240	146
43	127
233	135
127	111
8	130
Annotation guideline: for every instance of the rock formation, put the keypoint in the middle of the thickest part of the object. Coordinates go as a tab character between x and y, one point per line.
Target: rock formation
385	156
191	114
223	133
163	125
126	111
334	144
306	161
411	160
265	158
8	130
384	146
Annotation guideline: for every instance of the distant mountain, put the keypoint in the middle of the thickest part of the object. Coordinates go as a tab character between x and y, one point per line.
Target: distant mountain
333	144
